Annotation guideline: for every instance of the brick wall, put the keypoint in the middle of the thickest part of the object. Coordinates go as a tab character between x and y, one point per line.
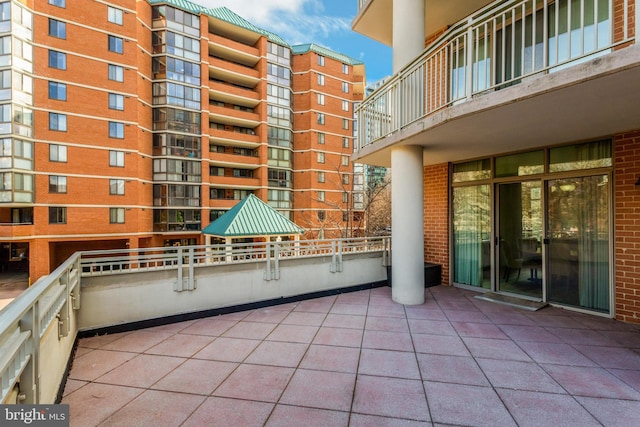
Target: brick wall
436	217
627	226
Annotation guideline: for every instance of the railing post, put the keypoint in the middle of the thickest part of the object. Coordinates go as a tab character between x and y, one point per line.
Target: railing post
192	279
276	261
267	273
178	285
339	260
468	46
332	267
30	377
63	319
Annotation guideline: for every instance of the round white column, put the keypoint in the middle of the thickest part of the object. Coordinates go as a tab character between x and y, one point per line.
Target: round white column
407	225
408	31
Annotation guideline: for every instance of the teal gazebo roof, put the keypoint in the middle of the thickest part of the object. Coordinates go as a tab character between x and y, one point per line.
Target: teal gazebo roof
250	218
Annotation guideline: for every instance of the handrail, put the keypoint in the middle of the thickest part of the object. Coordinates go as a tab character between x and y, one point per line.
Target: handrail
493	48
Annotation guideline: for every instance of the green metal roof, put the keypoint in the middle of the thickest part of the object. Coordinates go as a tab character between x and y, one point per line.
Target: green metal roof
252	217
223	14
311	47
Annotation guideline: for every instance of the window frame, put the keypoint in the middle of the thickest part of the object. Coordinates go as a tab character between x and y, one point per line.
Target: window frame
116	130
58	213
116	187
57	29
58	153
117	14
58	184
57	59
59	90
116	216
115	44
60	125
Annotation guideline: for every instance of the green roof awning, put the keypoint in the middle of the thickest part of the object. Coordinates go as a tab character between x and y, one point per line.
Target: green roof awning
252	217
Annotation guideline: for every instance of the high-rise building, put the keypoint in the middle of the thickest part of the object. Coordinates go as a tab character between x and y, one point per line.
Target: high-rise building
132	124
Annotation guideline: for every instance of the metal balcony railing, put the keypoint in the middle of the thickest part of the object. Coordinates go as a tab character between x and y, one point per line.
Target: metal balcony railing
496	47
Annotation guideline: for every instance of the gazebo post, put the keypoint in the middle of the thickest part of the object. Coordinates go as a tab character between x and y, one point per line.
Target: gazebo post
228	248
296	244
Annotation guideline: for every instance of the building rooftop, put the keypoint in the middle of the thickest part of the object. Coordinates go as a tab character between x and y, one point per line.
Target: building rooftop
299	49
360	359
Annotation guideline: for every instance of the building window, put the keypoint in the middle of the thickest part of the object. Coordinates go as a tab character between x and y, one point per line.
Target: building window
345	178
116	130
345	160
320	177
116	102
320	118
57	60
116	187
345	105
57	215
58	122
320	99
321	60
57	29
345	87
114	15
320	79
57	91
345	69
59	3
321	196
345	123
57	153
116	159
57	184
116	73
321	215
116	215
345	216
345	197
320	157
345	142
320	138
115	44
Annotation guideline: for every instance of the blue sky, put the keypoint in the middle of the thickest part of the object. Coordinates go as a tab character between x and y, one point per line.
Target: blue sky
324	22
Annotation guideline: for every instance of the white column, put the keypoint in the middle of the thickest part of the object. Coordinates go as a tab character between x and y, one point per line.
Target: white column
408	31
407	225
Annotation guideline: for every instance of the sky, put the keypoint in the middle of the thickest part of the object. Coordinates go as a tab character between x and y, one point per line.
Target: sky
323	22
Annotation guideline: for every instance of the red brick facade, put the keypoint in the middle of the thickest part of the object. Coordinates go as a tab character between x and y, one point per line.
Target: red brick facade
436	217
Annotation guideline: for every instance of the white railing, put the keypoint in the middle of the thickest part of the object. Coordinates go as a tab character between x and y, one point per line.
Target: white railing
496	47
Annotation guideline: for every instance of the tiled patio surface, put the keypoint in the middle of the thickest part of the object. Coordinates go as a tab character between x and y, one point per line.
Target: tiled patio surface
359	359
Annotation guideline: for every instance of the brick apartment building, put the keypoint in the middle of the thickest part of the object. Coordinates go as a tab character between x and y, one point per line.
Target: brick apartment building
136	123
518	170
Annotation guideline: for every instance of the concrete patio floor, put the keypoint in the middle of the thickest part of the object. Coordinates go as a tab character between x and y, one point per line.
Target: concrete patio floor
359	359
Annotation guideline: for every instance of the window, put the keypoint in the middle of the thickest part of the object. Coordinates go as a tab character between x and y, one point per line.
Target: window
320	99
114	15
345	197
320	138
345	105
57	215
58	122
115	44
116	159
116	73
57	153
116	215
59	3
320	118
321	215
321	196
57	60
57	184
345	87
57	91
345	215
57	29
345	142
321	60
320	157
116	102
116	187
320	176
345	160
345	178
116	130
345	69
320	79
345	123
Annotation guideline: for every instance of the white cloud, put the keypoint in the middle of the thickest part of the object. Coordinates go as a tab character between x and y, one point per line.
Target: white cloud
296	21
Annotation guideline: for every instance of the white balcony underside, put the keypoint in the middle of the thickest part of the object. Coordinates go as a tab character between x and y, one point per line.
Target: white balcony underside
594	99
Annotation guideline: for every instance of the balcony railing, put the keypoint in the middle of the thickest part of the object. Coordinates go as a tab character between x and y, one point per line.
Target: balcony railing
496	47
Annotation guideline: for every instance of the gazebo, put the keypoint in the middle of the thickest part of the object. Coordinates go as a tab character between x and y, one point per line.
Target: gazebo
251	218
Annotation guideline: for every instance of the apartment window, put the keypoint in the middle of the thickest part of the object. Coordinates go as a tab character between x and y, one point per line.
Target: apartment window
57	60
116	159
345	87
58	122
115	44
345	142
57	153
321	215
59	3
320	79
345	69
58	91
345	123
345	160
320	157
116	102
57	29
57	184
345	197
320	99
321	60
116	187
345	216
116	215
114	15
57	215
345	178
116	130
345	105
116	73
321	196
320	118
321	177
320	138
